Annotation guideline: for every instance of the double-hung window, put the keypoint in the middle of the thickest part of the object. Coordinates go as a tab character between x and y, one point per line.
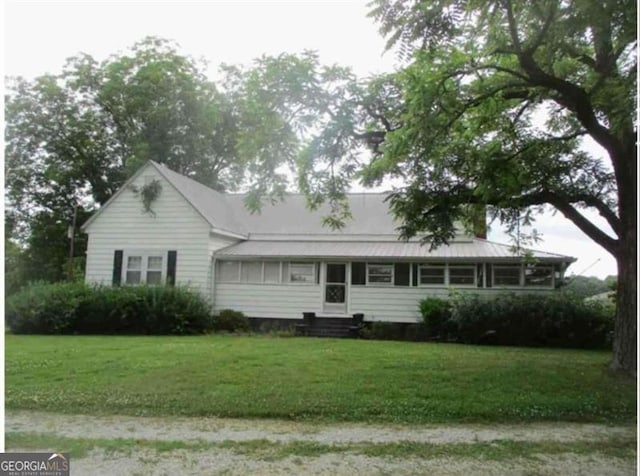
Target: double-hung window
144	268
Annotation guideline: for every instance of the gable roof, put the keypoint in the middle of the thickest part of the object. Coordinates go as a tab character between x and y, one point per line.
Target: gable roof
210	204
372	231
228	213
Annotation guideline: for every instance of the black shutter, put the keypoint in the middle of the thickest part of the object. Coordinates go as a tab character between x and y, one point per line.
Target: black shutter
401	274
489	275
415	274
358	273
171	267
117	268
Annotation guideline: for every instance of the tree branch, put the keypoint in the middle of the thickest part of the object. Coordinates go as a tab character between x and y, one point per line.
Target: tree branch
603	210
543	31
588	228
462	194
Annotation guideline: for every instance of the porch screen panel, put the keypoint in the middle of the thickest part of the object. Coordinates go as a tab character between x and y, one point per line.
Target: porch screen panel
271	272
402	275
358	273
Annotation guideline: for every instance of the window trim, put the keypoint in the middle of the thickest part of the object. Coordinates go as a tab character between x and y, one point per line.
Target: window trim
144	256
390	283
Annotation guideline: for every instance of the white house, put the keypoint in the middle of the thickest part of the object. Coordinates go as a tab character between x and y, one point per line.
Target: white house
282	262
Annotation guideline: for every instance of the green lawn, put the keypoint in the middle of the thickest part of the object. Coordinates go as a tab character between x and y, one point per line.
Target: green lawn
312	379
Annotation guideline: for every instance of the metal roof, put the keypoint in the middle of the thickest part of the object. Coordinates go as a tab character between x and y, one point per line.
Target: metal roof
477	248
291	219
211	204
369	211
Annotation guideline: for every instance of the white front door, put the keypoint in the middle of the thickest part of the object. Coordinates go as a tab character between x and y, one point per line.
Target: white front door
335	288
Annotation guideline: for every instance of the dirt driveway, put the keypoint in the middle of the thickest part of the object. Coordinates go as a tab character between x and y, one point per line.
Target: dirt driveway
173	445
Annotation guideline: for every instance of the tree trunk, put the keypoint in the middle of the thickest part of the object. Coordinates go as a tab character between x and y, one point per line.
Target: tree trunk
626	323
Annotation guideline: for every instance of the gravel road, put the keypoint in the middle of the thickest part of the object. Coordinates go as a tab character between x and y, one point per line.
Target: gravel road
226	461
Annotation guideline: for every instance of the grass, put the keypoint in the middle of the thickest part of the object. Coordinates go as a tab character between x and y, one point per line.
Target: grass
312	379
501	450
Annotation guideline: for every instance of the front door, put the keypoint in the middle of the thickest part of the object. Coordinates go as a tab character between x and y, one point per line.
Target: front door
335	288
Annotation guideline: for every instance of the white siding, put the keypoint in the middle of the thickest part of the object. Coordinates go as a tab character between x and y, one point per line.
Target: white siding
123	225
400	304
287	301
216	242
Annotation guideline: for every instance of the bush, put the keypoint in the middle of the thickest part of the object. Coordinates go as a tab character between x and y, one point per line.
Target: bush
436	314
531	320
81	309
43	308
231	321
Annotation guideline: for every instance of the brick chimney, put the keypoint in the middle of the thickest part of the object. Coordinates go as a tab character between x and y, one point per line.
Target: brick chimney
479	221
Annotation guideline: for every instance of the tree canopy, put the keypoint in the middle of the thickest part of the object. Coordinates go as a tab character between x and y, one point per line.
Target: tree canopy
72	139
511	105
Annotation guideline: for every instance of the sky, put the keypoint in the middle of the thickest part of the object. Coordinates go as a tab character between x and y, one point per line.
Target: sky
40	35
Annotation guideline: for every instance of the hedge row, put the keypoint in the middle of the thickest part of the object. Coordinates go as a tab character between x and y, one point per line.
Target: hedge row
75	308
525	320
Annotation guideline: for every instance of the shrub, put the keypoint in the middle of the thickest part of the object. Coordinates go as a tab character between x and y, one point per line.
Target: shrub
78	308
531	320
231	321
436	314
43	308
145	310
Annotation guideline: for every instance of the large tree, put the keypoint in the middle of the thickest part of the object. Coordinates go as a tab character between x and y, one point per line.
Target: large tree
493	107
73	138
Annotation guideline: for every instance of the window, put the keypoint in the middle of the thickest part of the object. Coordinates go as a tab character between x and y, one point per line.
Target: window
144	269
154	269
379	273
302	273
251	271
431	274
134	270
506	275
462	275
228	271
271	272
538	276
